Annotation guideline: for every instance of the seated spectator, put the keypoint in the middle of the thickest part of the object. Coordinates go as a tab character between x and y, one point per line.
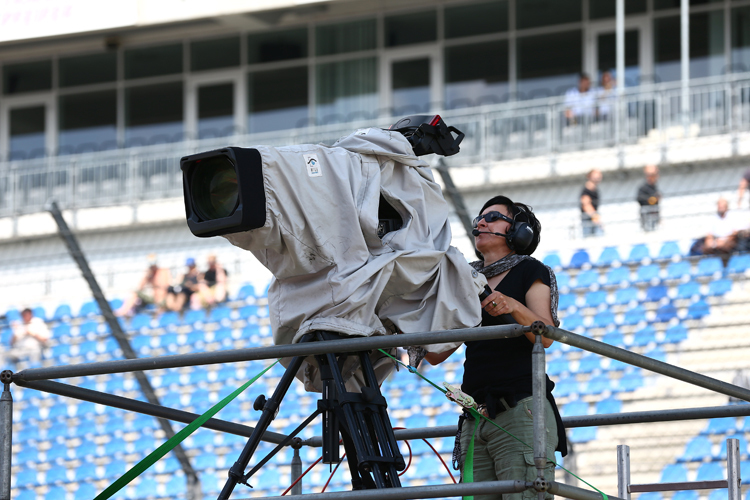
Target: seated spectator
648	198
29	338
152	289
580	102
726	230
213	285
605	97
179	296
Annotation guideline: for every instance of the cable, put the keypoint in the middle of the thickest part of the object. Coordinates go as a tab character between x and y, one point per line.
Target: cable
332	473
441	460
301	476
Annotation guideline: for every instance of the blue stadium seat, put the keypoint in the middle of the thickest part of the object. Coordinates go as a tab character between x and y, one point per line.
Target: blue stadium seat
676	333
58	412
194	316
566	387
177	486
565	301
617	276
668	250
27	477
718	495
656	293
709	266
57	453
745	472
726	425
115	448
696	450
743	447
169	319
219	314
141	344
582	434
644	336
608	405
603	319
638	253
552	260
139	322
61	331
666	313
56	475
656	353
647	273
710	471
589	362
651	495
205	460
62	313
26	495
609	256
115	304
685	495
678	270
39	312
630	382
738	264
28	455
719	288
624	296
248	311
30	413
674	473
634	316
195	337
85	491
575	409
698	310
55	493
597	385
563	279
90	308
688	290
586	278
61	351
614	338
223	335
572	321
579	258
558	366
88	327
227	373
246	292
168	341
85	471
5	335
199	400
12	315
146	488
198	375
85	450
595	299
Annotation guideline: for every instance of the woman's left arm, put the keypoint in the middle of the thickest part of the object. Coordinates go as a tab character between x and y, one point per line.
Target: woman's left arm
537	308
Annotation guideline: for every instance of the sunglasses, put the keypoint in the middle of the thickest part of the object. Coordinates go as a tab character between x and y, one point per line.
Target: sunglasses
492	217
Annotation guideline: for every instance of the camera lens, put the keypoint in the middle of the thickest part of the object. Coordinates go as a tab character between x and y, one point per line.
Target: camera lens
214	188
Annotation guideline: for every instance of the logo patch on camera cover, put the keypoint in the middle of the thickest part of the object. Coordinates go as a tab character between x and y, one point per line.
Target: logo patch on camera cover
313	166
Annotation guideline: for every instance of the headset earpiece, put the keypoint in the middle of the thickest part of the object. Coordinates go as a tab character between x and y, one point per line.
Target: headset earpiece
520	235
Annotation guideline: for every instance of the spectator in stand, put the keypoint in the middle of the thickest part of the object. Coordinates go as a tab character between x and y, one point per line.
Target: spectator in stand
179	296
725	231
648	198
152	289
29	338
213	285
605	97
744	185
590	219
580	102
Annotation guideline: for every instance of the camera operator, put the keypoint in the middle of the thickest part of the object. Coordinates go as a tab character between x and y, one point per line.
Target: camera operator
497	373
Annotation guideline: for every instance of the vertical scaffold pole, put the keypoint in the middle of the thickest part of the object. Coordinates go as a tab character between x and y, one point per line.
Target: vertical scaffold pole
6	434
623	471
733	469
296	467
539	392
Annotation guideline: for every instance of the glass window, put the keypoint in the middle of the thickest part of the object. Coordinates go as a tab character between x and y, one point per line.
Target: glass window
213	54
84	70
476	19
406	29
88	122
345	37
277	46
600	9
215	110
27	77
27	126
277	99
706	46
741	39
675	4
548	64
153	114
606	46
476	74
410	85
153	61
535	13
347	90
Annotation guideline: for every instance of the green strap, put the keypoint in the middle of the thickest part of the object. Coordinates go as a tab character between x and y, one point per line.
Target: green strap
467	474
162	450
477	416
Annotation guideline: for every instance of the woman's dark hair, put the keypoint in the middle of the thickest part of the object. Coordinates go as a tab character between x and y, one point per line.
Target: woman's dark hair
522	213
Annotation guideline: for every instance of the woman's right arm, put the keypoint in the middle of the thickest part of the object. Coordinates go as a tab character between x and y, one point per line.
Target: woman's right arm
435	358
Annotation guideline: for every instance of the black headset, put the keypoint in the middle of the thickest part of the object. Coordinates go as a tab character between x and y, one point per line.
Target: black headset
520	235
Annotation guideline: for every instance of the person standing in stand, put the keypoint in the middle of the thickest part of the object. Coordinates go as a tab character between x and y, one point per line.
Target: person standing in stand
591	221
497	373
648	198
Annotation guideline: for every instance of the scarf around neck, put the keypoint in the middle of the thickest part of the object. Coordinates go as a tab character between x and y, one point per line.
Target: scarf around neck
509	262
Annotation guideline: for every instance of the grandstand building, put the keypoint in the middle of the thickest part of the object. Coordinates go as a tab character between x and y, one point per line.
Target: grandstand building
101	99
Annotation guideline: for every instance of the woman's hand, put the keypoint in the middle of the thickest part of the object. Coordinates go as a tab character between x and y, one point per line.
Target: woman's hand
497	304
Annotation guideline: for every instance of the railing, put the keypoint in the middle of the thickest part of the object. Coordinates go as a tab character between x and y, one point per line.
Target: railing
40	379
649	114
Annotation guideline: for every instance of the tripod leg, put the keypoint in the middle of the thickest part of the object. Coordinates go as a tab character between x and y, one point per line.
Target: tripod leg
270	410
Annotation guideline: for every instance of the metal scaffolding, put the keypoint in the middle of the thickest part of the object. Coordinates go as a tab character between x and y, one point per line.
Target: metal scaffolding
39	379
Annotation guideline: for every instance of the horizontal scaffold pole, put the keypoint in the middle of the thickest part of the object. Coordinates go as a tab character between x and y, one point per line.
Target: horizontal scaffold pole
353	344
645	362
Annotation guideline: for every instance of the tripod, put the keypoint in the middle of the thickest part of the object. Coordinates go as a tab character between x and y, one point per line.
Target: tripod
360	418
